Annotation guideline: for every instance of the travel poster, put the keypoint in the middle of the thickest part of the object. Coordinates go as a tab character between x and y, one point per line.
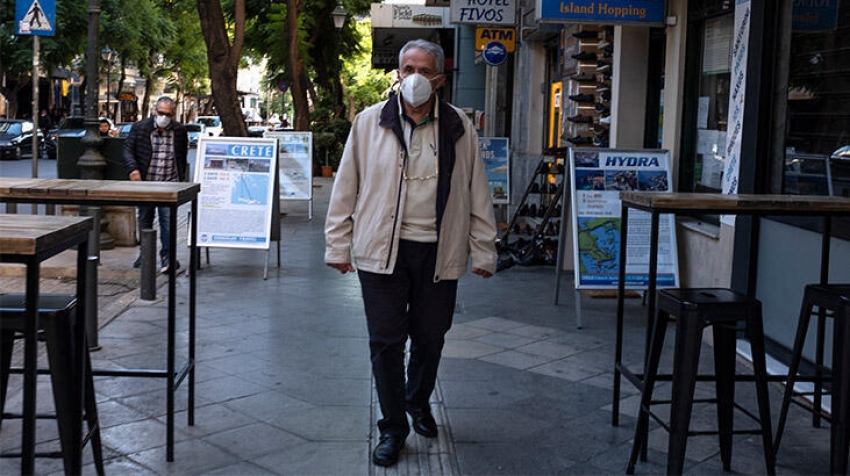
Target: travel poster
236	198
496	155
295	153
597	178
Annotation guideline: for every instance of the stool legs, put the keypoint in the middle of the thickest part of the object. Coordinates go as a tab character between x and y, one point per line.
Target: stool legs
793	368
649	375
65	375
724	370
840	429
755	334
7	341
685	368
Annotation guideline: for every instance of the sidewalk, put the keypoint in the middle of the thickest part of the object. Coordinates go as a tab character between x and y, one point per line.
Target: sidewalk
284	383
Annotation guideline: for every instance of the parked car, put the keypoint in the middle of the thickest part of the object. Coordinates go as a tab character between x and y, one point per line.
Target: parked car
257	131
124	129
212	123
16	138
72	126
195	130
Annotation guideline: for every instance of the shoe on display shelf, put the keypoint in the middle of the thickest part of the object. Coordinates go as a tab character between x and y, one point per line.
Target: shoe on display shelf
580	140
605	95
582	98
605	120
585	55
584	78
586	34
580	119
602	109
602	66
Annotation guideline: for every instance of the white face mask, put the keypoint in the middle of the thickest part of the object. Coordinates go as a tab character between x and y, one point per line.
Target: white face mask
162	121
416	89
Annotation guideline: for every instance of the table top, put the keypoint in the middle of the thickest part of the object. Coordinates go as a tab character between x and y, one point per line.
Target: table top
815	205
34	190
25	235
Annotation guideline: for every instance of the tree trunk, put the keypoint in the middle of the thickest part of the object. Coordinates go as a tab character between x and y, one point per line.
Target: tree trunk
223	58
296	68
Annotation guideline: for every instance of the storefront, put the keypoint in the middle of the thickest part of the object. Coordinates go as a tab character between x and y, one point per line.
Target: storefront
749	96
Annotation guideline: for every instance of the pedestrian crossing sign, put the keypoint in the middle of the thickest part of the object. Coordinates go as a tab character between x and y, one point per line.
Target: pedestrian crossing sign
35	17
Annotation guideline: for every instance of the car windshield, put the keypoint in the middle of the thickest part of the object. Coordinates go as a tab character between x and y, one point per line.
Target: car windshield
11	128
193	127
209	121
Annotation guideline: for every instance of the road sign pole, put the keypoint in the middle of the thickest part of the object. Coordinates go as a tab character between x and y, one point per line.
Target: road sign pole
35	147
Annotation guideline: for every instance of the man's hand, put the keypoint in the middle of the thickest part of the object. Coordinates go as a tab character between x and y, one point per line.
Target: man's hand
480	272
342	267
136	176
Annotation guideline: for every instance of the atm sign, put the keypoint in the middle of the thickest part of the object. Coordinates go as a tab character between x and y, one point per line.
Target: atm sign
505	36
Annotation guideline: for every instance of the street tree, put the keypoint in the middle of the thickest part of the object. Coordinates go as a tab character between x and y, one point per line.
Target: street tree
224	40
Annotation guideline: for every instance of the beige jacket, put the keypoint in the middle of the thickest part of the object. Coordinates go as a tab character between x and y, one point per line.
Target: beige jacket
364	220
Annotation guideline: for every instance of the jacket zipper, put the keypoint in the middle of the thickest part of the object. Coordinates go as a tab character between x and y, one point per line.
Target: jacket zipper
397	205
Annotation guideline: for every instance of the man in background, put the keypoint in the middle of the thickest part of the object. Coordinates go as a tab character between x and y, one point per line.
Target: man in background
156	151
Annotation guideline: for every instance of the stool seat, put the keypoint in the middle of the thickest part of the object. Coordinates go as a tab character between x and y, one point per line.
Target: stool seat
726	312
833	301
70	371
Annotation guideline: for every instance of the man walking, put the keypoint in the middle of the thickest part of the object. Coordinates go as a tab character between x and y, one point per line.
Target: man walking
155	151
411	204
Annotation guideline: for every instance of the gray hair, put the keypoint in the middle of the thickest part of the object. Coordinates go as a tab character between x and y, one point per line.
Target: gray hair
165	100
434	49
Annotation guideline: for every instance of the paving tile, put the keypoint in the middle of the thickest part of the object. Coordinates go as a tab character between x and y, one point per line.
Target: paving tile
534	332
549	349
467	349
503	339
328	423
564	369
465	331
495	323
516	359
252	440
191	457
320	458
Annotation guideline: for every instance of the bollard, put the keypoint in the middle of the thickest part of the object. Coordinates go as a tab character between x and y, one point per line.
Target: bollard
92	263
148	254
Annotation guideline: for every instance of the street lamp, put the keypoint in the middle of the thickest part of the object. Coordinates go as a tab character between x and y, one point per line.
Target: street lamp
109	56
339	15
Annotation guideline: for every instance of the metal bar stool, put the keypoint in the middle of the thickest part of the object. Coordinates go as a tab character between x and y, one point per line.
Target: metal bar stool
832	300
70	373
695	309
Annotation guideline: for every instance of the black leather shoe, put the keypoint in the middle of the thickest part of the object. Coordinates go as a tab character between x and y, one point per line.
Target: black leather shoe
386	453
423	423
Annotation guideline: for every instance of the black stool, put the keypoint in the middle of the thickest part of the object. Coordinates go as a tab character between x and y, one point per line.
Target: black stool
695	309
70	372
832	300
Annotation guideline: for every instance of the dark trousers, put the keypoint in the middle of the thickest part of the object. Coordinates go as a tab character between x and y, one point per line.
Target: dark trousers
146	214
406	303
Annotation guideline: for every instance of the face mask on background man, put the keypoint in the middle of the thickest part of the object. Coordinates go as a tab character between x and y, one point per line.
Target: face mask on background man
162	121
416	89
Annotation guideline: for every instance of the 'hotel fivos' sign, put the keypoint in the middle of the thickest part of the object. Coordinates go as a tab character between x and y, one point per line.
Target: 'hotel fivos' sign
484	12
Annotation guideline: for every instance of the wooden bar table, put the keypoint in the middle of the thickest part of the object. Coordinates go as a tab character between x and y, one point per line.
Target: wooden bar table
125	192
710	203
31	239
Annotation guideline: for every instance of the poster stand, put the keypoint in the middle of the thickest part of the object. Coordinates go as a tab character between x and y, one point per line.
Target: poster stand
238	203
597	176
295	165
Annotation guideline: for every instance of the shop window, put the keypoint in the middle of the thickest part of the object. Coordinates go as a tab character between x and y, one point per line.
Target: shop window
708	73
817	122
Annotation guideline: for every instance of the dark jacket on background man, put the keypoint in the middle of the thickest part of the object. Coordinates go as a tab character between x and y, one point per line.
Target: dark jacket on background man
138	149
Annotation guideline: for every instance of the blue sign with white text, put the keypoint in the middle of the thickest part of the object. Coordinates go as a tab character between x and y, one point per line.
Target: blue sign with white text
35	17
602	11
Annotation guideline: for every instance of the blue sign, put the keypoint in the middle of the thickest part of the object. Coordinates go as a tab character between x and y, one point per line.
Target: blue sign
35	17
496	156
495	53
602	11
814	15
